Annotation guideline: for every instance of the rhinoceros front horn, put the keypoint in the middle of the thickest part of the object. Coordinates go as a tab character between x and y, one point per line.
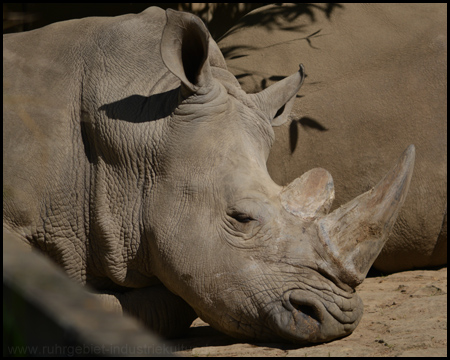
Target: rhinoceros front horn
355	233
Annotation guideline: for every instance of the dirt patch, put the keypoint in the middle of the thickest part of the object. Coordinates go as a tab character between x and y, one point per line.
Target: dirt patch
405	314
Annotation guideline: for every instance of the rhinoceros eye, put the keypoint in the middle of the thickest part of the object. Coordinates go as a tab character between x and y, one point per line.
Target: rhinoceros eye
241	217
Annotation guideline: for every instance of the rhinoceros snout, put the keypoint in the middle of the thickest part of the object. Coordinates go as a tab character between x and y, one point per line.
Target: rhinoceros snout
309	318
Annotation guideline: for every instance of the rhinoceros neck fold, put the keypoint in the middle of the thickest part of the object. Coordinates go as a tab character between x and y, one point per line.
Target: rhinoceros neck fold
119	196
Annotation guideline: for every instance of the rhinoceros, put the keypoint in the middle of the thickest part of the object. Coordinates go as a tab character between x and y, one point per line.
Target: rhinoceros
133	158
376	82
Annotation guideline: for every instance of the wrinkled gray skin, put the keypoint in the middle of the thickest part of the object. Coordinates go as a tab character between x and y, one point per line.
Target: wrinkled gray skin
376	82
135	161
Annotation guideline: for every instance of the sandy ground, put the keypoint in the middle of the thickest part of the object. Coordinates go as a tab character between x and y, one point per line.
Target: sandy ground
405	314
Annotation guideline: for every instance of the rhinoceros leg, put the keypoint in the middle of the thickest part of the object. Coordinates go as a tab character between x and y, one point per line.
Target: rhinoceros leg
161	311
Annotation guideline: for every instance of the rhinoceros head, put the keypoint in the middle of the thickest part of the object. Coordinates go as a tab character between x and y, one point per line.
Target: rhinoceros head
254	259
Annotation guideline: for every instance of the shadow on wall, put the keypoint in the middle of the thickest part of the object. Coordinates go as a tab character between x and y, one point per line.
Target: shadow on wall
306	123
276	18
280	18
218	17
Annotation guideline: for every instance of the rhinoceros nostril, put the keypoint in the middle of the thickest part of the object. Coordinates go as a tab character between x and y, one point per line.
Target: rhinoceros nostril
307	309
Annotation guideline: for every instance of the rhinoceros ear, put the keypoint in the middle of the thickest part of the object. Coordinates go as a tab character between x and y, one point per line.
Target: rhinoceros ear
184	50
277	100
